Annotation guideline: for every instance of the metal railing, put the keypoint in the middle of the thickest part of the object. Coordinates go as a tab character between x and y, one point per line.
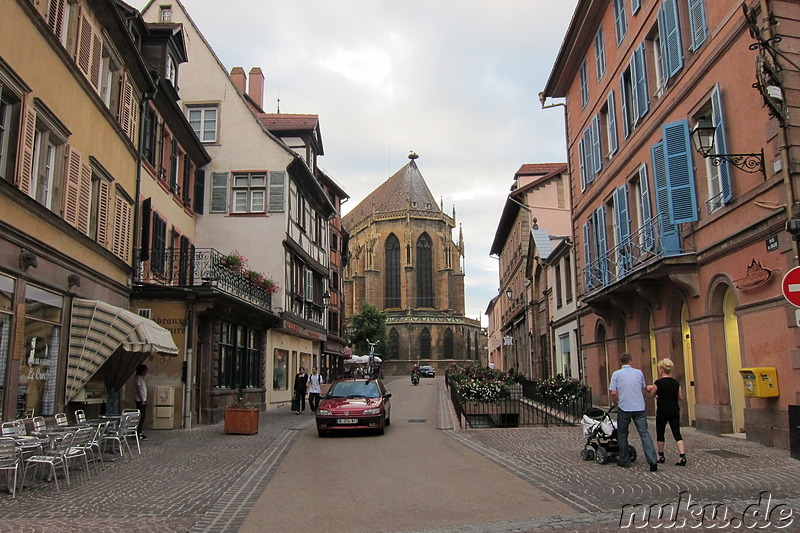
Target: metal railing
200	267
640	248
519	405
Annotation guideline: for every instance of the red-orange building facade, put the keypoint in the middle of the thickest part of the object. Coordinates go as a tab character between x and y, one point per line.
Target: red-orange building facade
677	256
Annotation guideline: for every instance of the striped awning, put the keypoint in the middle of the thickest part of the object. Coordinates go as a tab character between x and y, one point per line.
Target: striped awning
98	330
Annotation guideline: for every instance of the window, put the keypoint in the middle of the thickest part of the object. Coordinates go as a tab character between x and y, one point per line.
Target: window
568	278
608	115
123	225
149	134
635	99
249	192
394	343
110	78
99	218
38	370
174	162
620	20
280	369
558	280
171	71
600	53
697	23
10	104
635	5
566	363
158	258
584	84
669	41
448	343
644	211
392	275
166	13
425	344
187	183
204	122
590	152
424	271
718	172
622	231
239	357
46	157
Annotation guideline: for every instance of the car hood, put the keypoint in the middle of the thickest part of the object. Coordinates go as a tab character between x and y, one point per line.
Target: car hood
350	403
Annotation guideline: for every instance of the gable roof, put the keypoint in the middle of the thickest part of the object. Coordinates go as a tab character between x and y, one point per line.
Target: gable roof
289	122
405	189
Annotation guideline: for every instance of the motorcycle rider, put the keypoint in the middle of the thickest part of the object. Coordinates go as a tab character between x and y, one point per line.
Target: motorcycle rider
415	373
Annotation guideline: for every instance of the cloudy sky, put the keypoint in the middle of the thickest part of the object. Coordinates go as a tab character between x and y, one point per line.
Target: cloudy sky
455	81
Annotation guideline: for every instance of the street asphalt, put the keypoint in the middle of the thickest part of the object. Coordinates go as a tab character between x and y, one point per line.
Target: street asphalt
201	480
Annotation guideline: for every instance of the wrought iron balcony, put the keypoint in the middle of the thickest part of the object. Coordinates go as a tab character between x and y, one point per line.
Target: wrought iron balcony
200	267
642	248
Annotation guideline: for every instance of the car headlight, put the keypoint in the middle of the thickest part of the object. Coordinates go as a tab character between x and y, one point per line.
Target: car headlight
375	411
324	412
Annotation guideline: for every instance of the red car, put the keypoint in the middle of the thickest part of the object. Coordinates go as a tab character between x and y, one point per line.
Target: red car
354	404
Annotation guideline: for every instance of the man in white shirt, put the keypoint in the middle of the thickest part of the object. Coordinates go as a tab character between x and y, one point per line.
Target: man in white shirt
627	390
141	397
314	389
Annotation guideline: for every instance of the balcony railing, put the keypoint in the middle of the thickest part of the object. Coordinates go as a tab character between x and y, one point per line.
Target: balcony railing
200	267
643	247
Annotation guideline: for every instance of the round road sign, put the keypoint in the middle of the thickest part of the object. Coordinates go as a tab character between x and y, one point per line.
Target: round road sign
791	286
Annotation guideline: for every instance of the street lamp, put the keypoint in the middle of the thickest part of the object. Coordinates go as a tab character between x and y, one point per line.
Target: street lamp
703	137
326	299
509	293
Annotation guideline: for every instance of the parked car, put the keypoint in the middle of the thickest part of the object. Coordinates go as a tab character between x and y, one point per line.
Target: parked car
427	371
359	403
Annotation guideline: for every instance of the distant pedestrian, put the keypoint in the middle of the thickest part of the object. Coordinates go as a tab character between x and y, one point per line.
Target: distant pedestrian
667	391
314	389
140	395
300	386
627	390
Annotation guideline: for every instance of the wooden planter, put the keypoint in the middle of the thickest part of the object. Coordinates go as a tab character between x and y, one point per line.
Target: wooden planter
241	421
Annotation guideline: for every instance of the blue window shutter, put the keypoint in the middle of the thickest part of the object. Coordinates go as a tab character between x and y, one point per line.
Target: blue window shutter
584	84
624	105
667	231
639	74
623	229
697	22
582	163
588	149
598	150
721	143
587	256
602	247
672	35
620	20
662	45
635	5
613	141
647	212
680	173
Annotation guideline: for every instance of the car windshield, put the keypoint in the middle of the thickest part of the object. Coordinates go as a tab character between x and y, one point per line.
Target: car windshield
426	368
355	389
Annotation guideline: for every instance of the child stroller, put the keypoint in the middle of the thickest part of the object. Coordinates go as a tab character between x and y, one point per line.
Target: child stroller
601	436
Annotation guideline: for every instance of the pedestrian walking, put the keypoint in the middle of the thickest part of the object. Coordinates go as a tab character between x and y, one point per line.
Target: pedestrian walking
667	391
140	395
300	386
314	389
627	391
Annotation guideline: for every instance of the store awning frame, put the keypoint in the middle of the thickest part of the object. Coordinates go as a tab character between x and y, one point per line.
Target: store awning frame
98	330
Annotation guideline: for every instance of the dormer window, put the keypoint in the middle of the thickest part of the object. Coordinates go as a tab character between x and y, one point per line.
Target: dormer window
171	70
166	14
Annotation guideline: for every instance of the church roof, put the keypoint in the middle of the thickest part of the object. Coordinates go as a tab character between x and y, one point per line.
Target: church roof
406	188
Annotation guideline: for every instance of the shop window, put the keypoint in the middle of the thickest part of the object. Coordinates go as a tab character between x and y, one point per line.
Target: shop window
39	364
280	369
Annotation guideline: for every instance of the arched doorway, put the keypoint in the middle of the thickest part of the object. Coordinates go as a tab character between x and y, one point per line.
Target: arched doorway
688	365
734	358
603	356
651	336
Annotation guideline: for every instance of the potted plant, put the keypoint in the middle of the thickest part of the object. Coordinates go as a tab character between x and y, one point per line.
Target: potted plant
234	261
241	419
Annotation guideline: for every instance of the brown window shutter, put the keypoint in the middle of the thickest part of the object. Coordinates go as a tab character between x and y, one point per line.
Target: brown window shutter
97	59
83	54
73	193
122	228
102	213
27	139
55	17
126	108
85	198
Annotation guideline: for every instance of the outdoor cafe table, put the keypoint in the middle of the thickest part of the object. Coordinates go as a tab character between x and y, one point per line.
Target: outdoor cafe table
53	433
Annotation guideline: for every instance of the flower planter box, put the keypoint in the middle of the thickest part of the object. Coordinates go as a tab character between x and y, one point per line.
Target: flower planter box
241	421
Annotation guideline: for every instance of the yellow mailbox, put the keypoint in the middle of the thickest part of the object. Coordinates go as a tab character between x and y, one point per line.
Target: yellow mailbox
760	382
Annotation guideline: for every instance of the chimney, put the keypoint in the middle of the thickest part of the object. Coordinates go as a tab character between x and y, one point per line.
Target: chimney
239	78
256	87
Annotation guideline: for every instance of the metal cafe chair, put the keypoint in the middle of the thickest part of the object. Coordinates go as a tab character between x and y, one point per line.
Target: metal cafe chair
95	442
119	435
80	417
9	460
54	458
80	443
61	419
38	425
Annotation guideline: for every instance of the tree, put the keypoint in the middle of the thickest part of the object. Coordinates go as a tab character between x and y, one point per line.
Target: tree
369	324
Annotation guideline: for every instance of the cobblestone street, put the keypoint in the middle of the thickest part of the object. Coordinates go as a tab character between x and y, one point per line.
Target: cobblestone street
204	480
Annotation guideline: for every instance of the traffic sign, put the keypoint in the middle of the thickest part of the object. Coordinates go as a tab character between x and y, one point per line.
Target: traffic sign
791	286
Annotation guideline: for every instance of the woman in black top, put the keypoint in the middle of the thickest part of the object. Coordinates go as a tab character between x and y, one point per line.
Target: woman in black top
300	385
667	391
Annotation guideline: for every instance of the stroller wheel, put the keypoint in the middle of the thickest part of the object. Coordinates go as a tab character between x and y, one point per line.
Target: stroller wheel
632	452
585	454
602	455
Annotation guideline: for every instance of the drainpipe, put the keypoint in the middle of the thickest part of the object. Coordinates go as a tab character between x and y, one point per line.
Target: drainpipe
784	141
188	361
